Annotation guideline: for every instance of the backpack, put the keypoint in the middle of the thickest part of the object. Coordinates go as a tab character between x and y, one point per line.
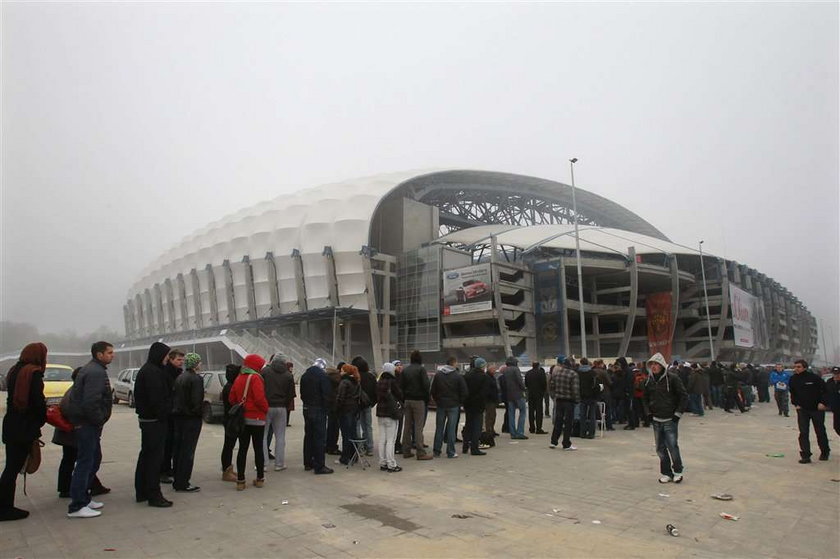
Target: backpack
236	415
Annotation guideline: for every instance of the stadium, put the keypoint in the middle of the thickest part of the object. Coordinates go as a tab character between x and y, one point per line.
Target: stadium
454	262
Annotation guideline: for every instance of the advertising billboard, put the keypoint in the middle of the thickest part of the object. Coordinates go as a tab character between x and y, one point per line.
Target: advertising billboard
749	323
549	308
659	323
467	290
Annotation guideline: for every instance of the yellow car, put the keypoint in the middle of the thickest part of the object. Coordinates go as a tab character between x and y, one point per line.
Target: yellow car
57	379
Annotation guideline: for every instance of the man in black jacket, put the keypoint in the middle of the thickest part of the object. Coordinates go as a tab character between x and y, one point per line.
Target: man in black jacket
807	394
449	390
315	392
666	399
367	381
414	383
90	408
832	397
173	369
536	385
186	414
477	389
153	401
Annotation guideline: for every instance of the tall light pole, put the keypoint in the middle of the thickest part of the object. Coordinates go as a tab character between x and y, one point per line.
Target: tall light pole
572	162
706	297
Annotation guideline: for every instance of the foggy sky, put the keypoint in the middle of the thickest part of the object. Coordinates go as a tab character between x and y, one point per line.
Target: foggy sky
125	127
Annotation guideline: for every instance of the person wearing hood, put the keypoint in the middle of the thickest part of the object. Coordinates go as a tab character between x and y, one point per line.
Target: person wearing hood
279	390
389	410
88	409
535	383
589	391
186	414
173	368
367	381
26	413
153	405
249	389
449	390
347	402
414	383
515	394
477	387
231	372
666	400
491	401
316	393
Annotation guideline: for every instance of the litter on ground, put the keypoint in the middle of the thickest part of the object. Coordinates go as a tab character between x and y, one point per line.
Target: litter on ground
723	497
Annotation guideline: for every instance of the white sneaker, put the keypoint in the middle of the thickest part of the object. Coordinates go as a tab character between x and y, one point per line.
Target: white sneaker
571	447
279	468
678	478
95	505
665	479
552	445
84	512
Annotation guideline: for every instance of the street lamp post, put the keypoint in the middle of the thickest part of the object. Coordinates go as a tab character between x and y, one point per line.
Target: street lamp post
572	162
706	297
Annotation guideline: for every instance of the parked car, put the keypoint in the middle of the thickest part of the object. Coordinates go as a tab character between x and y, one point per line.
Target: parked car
123	387
57	380
212	410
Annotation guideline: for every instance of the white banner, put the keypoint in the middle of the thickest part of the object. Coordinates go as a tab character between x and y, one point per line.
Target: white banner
749	322
467	290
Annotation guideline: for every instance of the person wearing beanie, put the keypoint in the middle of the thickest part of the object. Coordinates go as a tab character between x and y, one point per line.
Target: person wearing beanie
279	391
564	388
231	372
249	388
515	393
474	404
389	410
316	392
186	414
414	383
153	405
666	400
449	390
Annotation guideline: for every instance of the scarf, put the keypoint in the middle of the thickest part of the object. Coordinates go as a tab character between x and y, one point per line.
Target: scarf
33	359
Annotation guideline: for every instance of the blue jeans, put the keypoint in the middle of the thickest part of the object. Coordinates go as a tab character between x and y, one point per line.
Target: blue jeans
516	426
366	426
588	410
717	395
88	458
446	421
695	403
665	434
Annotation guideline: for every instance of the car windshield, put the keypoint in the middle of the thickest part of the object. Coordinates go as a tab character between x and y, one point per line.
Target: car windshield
58	374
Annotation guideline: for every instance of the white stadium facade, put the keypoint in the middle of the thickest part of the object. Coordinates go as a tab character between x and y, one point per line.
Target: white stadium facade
456	262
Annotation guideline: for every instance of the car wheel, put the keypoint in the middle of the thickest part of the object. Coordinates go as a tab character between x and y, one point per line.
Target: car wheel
131	399
207	412
114	397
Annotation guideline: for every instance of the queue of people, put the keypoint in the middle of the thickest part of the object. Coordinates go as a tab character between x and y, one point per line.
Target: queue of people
340	400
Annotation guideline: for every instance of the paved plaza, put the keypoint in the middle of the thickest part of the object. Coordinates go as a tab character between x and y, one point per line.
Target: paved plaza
521	500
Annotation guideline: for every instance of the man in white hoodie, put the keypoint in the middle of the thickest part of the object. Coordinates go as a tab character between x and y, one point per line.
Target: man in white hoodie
666	399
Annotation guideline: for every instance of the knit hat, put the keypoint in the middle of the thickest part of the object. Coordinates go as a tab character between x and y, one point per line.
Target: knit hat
561	358
480	362
321	363
253	362
510	361
388	368
191	360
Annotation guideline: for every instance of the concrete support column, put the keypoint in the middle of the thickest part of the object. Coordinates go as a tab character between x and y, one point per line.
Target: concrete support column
158	301
196	291
182	301
633	268
249	288
229	294
212	292
273	288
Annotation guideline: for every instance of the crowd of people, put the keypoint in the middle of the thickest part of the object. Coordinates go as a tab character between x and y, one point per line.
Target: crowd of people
339	404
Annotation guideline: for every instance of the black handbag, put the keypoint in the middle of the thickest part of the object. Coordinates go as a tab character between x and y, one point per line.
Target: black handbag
236	415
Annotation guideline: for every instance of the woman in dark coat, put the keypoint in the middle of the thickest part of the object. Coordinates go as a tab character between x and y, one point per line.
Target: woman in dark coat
347	406
26	413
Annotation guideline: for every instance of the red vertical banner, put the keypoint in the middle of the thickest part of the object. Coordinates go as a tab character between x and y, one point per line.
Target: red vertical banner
659	323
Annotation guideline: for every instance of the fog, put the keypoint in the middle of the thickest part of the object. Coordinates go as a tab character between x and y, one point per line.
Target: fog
127	126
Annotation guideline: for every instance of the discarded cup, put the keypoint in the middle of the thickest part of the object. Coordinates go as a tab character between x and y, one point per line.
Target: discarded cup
723	497
727	516
664	495
284	502
596	522
672	530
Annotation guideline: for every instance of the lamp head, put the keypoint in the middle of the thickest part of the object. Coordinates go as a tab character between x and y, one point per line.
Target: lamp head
574	159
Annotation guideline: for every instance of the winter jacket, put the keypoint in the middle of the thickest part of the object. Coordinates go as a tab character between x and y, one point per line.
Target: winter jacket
388	396
279	383
783	377
491	395
414	382
188	395
316	390
807	390
347	400
602	377
256	406
368	384
514	386
697	384
90	397
334	377
152	391
589	389
564	384
715	376
535	383
665	396
23	427
832	395
478	384
619	383
449	389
